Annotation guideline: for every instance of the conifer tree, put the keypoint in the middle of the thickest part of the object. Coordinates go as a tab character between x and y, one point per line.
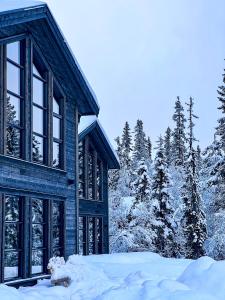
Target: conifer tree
161	198
193	221
168	146
140	217
179	138
126	146
139	148
149	149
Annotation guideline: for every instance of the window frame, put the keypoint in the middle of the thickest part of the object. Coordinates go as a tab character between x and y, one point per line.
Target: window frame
25	234
30	49
20	96
87	145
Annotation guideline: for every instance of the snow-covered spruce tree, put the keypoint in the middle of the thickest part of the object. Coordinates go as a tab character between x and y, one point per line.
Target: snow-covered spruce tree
178	137
215	245
140	216
139	148
126	146
149	149
163	222
193	220
212	188
168	146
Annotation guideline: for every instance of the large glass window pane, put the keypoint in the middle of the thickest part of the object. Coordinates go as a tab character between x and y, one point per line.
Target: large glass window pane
13	78
56	106
38	91
36	72
38	146
56	127
81	236
11	262
90	176
91	235
11	236
12	208
99	180
37	211
37	235
13	141
13	110
56	161
37	261
81	170
38	118
13	52
99	235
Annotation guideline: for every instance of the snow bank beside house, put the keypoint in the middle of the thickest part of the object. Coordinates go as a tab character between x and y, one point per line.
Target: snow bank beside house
130	276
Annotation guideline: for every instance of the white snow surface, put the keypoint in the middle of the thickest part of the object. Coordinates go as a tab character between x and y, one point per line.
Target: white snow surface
131	276
6	5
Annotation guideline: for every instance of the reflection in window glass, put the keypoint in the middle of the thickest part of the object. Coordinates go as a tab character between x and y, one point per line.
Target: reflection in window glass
57	228
38	118
82	240
13	141
36	72
56	162
13	78
91	236
37	235
56	106
56	127
13	110
81	169
37	261
99	180
37	145
13	231
13	52
38	91
99	235
90	175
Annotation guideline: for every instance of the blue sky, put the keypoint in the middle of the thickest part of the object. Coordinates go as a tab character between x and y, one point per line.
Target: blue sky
138	55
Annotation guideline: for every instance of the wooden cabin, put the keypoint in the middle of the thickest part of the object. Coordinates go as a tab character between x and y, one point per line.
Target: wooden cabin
54	154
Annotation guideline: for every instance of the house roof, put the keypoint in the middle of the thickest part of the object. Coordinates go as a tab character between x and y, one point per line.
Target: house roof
91	125
35	17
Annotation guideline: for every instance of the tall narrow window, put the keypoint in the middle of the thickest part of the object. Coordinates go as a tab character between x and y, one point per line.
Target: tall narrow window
91	175
14	101
57	228
38	236
82	238
39	118
91	235
99	235
57	160
99	180
13	233
81	170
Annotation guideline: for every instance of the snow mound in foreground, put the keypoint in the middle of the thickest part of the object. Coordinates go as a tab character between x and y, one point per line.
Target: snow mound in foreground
206	275
130	276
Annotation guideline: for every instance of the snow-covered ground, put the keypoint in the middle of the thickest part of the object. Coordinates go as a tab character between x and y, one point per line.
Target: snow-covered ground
132	276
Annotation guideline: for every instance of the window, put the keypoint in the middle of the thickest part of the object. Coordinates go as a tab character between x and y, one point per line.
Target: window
57	228
44	94
13	232
82	234
90	235
99	180
81	170
22	215
90	171
14	98
38	236
57	107
39	118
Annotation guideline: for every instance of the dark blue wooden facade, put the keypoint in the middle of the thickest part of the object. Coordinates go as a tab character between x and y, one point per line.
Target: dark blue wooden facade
49	205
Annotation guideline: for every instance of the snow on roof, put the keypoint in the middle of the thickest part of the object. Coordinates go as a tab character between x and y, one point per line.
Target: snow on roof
6	5
86	122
